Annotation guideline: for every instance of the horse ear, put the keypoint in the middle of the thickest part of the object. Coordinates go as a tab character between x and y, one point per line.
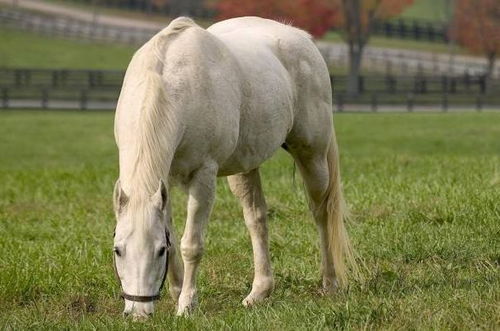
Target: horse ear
160	197
120	199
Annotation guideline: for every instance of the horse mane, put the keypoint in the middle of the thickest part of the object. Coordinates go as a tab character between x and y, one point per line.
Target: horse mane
156	124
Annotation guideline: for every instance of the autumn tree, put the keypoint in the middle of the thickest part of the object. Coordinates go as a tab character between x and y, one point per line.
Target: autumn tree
356	22
315	16
477	27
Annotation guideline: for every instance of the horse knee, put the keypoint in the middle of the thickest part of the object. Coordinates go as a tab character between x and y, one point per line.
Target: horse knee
191	252
256	217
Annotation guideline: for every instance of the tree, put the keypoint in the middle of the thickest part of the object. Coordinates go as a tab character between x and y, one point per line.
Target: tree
356	19
477	27
356	22
315	16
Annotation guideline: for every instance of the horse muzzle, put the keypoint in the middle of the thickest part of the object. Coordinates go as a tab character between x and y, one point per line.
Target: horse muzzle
138	310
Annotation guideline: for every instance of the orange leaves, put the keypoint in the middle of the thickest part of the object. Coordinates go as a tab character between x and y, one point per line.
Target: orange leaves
477	25
315	16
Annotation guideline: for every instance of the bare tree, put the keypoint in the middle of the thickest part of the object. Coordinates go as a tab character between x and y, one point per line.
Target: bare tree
358	19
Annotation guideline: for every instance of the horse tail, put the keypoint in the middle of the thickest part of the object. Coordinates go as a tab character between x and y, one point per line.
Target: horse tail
337	212
161	39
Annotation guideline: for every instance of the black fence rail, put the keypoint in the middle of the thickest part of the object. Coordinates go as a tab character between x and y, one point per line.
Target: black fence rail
413	29
376	102
420	84
388	83
83	89
60	78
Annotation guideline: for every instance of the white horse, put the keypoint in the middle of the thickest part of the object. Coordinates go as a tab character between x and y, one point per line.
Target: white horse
197	104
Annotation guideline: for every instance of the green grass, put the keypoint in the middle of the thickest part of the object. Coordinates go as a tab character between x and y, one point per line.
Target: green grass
431	10
27	50
424	191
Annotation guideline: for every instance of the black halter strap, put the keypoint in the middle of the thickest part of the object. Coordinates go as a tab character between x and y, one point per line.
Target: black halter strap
145	298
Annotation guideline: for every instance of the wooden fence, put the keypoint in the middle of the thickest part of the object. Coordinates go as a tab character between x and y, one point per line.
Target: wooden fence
81	88
73	29
413	29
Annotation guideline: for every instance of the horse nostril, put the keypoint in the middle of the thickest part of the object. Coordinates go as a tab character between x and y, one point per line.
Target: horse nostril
126	313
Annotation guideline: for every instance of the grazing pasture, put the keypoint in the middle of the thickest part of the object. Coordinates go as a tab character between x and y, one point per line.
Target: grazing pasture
22	49
424	190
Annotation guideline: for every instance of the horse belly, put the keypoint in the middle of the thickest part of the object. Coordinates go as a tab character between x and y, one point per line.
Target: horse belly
263	129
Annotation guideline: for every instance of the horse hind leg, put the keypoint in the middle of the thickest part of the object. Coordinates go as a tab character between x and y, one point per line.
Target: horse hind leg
319	170
247	188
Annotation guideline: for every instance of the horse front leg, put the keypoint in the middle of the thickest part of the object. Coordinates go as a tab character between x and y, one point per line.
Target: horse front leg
201	191
247	187
175	268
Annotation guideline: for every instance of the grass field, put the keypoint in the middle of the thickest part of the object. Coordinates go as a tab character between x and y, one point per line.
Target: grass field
424	190
28	50
431	10
22	49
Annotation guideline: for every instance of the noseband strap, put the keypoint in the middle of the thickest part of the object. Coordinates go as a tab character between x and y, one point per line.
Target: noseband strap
145	298
140	298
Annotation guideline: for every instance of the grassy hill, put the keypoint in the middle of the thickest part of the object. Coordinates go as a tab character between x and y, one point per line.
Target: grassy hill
433	10
25	49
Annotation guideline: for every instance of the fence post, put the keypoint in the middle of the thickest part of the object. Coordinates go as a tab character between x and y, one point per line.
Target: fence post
27	77
91	78
390	84
482	84
361	84
55	78
83	100
409	102
340	103
18	77
45	99
99	78
467	80
479	103
5	98
374	102
453	85
444	103
444	84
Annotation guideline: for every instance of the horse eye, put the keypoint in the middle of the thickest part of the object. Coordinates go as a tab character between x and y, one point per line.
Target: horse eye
162	251
117	251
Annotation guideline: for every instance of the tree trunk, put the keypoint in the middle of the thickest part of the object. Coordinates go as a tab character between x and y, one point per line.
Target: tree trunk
355	58
149	7
491	65
489	70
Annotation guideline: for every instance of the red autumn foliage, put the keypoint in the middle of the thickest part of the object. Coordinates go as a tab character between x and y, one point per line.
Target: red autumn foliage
315	16
477	27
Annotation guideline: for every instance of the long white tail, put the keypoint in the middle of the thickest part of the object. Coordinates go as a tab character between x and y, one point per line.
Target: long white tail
337	212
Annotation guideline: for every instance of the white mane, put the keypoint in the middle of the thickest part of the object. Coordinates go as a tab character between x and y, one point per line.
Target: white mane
153	139
156	120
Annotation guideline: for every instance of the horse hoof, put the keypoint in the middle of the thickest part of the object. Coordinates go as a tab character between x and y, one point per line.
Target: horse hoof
255	298
187	304
175	292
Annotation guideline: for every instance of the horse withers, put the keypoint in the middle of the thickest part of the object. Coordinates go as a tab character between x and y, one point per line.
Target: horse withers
197	104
